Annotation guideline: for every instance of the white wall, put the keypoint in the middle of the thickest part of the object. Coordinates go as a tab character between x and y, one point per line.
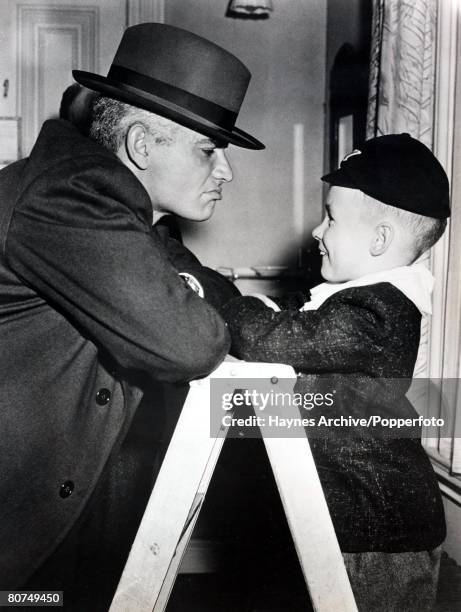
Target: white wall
254	223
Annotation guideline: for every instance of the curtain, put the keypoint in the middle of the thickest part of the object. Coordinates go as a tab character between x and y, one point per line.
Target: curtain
402	79
401	99
402	72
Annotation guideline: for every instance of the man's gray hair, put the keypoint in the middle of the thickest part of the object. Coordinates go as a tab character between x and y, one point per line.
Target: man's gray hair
422	232
111	120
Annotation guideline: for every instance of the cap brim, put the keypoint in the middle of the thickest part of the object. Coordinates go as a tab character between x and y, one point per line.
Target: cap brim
340	178
150	102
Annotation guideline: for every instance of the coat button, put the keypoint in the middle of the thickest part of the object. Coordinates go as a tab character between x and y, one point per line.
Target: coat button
103	397
66	489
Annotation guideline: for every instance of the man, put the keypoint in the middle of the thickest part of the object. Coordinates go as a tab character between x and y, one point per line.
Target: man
93	310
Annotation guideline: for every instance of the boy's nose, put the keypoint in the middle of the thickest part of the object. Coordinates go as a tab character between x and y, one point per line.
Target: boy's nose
318	231
222	169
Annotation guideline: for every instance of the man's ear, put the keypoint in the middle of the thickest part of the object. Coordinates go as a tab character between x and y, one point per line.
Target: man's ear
382	238
137	146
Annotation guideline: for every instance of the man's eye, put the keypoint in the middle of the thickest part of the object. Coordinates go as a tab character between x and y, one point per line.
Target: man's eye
208	152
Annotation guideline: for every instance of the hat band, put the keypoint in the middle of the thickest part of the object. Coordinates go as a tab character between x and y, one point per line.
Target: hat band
210	111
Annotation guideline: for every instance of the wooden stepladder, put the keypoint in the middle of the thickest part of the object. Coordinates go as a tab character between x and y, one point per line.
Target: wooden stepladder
177	497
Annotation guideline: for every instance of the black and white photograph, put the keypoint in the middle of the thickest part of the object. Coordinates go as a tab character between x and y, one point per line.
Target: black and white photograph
230	305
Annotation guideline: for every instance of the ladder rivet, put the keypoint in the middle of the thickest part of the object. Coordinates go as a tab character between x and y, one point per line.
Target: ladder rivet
274	380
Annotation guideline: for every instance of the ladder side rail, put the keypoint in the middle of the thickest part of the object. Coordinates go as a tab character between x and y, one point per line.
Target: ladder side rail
310	522
181	484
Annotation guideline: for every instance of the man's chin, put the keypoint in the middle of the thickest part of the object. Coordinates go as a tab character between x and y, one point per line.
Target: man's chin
207	212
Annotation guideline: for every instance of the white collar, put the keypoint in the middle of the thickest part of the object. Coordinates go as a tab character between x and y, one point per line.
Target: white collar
415	281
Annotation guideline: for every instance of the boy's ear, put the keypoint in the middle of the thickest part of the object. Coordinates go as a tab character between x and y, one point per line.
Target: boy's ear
382	237
137	147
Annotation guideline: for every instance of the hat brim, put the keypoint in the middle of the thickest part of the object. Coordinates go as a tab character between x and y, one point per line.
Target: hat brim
165	108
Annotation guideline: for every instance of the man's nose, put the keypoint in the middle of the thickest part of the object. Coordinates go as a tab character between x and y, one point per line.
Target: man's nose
318	231
222	169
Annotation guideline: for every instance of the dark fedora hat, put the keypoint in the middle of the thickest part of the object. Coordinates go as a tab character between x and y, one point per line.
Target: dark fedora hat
178	75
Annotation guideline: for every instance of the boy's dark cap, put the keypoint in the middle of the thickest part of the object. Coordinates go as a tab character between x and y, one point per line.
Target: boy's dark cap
397	170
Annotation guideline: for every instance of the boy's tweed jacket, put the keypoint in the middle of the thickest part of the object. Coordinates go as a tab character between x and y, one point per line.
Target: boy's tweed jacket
382	492
91	311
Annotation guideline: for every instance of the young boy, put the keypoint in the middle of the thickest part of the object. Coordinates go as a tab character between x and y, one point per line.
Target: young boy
359	332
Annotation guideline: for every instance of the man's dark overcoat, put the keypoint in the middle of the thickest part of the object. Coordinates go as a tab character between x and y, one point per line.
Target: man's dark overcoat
92	311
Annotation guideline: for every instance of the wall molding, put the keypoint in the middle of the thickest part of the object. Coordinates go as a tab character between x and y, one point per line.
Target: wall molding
140	11
452	355
35	24
445	347
445	336
444	126
449	485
